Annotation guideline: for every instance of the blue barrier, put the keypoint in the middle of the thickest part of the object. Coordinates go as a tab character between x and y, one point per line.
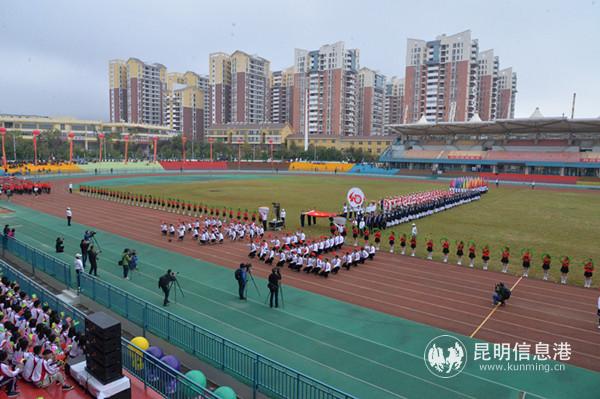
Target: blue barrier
147	368
261	373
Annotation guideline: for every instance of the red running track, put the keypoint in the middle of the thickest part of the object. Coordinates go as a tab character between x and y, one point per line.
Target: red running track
450	297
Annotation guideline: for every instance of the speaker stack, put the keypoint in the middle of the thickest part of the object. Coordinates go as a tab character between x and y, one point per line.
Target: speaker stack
103	347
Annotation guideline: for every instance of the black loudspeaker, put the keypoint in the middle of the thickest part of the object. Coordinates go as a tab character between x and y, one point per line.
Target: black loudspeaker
103	347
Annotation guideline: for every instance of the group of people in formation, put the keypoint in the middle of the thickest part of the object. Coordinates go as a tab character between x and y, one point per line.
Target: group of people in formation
17	186
470	251
212	230
322	256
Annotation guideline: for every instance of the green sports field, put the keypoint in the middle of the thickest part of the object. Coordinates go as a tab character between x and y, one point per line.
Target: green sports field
558	222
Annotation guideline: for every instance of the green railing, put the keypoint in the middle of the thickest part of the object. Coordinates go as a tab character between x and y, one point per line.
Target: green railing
147	368
261	373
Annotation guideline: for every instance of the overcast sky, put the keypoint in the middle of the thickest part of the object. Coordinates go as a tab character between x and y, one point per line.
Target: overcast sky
54	54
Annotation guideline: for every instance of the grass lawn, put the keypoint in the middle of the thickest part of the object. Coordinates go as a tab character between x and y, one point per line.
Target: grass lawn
546	221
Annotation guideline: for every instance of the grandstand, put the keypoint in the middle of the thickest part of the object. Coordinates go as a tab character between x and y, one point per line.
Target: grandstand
540	147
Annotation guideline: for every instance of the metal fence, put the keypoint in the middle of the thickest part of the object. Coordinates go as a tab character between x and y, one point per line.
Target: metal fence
147	368
261	373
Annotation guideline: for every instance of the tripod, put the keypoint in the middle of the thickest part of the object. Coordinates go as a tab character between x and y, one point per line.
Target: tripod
175	283
253	282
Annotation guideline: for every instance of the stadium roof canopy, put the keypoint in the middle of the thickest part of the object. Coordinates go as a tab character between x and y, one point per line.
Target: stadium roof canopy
500	127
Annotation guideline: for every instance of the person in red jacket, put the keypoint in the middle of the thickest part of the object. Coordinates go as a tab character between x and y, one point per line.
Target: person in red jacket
429	249
485	256
526	258
366	236
403	243
445	249
392	242
546	260
472	254
588	270
460	251
505	259
377	239
413	245
565	262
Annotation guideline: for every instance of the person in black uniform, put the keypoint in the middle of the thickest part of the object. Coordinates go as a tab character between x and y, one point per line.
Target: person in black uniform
60	245
241	276
164	283
273	286
93	258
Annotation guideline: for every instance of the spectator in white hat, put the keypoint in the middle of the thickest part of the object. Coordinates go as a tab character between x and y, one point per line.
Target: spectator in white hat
69	216
78	269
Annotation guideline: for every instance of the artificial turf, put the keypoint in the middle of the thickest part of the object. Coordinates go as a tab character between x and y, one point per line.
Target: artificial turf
557	222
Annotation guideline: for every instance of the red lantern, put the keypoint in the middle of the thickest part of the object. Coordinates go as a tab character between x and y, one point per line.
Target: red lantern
35	133
71	135
101	137
3	134
126	138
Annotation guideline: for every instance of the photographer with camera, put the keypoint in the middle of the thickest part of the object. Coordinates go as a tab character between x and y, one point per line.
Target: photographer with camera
60	245
273	286
501	294
165	282
241	275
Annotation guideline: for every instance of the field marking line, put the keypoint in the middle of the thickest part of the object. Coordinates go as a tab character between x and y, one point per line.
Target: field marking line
493	311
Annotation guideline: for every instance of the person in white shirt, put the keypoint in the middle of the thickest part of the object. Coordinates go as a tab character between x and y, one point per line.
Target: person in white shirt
414	231
50	372
282	215
71	188
326	268
78	264
69	214
252	252
8	374
336	263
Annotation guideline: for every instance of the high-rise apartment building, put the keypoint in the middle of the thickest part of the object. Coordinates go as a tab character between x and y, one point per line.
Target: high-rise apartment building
507	91
117	78
146	87
487	84
394	108
184	104
249	88
328	78
371	94
282	85
203	83
441	78
219	77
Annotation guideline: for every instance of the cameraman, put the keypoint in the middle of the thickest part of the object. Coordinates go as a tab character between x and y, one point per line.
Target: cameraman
501	294
273	286
241	275
164	283
93	258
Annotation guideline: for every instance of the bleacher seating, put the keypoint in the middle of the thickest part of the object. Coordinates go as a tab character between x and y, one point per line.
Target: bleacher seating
245	165
590	157
321	167
121	166
531	156
29	168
